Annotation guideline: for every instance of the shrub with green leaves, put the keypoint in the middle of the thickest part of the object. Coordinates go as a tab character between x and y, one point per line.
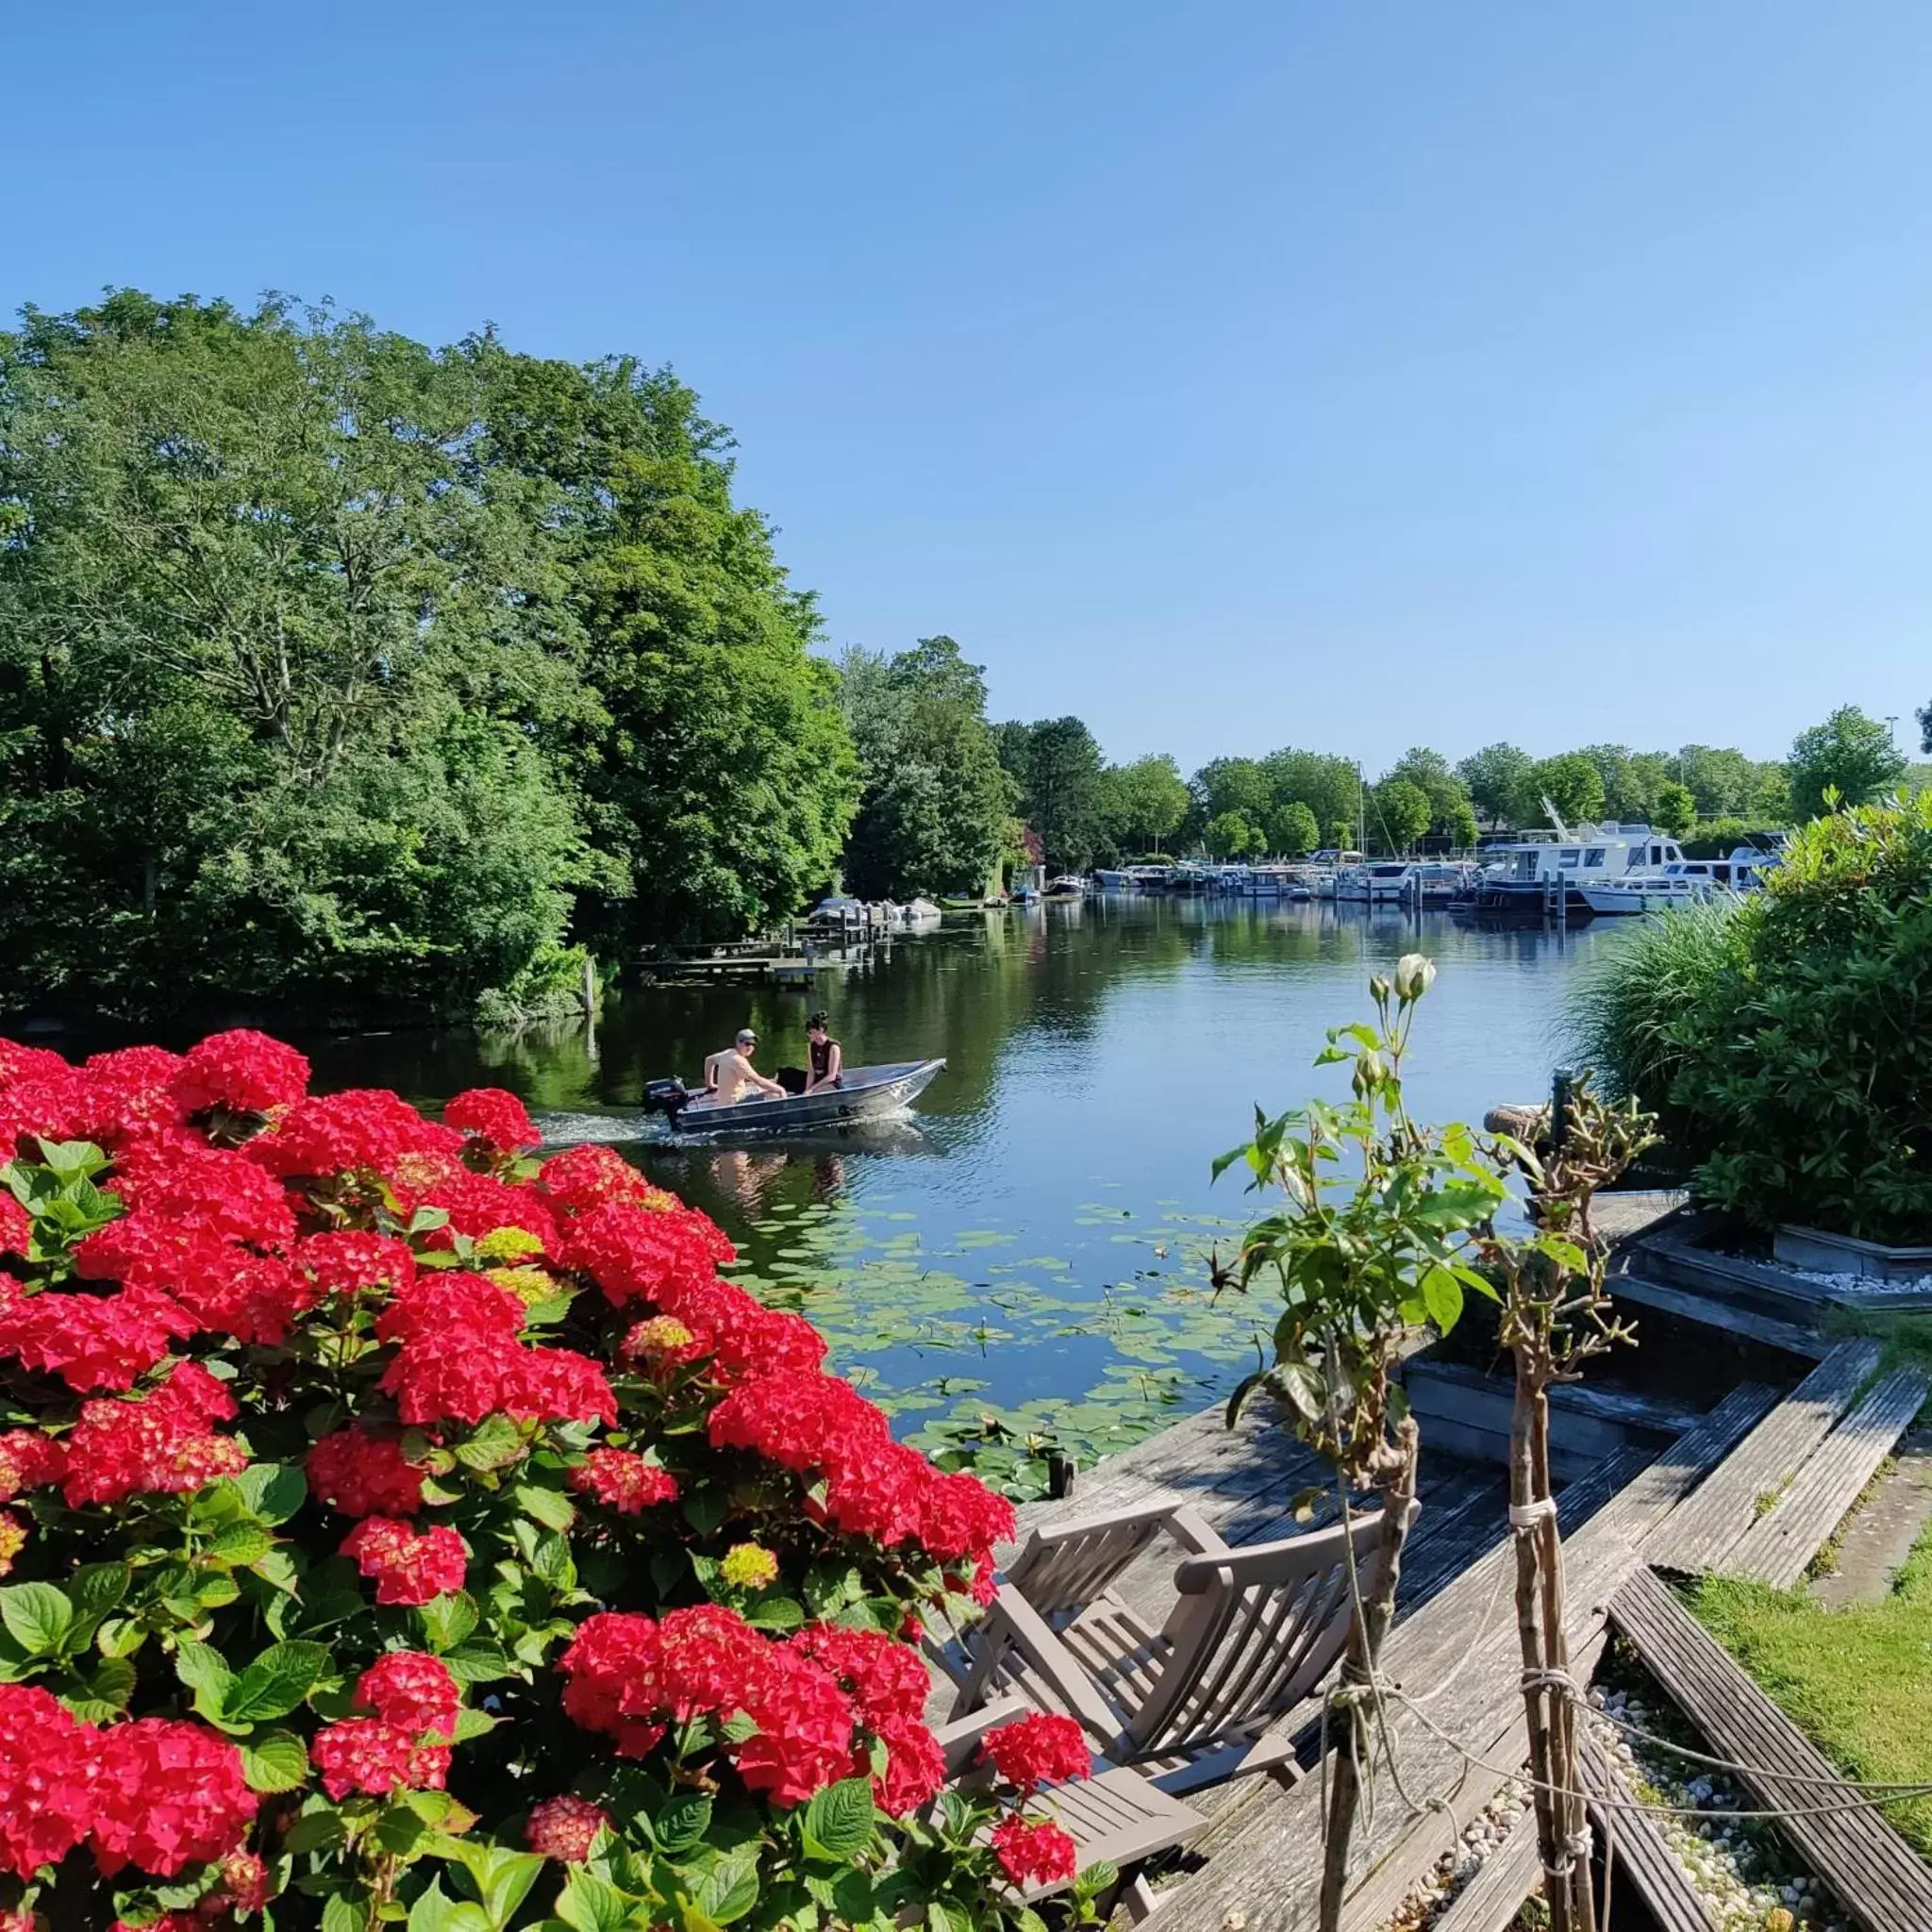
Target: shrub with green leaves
1804	1074
404	1530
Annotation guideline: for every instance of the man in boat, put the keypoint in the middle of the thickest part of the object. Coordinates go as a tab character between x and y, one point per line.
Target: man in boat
729	1075
827	1056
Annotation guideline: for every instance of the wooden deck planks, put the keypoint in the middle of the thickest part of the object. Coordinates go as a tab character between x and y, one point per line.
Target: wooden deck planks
1726	1506
1643	1856
1489	1902
1264	1851
1779	1545
1882	1883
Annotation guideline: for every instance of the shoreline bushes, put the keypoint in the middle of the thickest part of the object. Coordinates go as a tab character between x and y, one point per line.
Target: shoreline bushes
1788	1044
399	1526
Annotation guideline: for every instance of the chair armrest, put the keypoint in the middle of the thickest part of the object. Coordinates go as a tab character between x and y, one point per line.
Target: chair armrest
960	1738
1012	1624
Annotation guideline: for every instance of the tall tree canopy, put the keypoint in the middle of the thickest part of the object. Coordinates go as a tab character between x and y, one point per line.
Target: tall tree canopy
1142	804
1849	754
337	668
1493	778
1056	764
932	817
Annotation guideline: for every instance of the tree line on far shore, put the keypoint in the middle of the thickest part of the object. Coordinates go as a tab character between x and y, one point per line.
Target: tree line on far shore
344	676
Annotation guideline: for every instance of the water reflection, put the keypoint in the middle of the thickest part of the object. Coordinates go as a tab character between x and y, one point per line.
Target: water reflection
1036	1241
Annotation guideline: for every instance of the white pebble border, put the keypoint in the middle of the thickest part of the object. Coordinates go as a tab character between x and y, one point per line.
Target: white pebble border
1743	1870
1507	1811
1862	1288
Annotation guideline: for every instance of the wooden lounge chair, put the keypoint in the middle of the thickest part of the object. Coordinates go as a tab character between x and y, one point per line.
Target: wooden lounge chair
1116	1815
1251	1636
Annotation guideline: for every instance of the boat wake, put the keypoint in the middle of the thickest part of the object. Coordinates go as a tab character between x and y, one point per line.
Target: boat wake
612	1129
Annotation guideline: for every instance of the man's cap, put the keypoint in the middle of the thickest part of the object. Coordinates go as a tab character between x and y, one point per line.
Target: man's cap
746	1035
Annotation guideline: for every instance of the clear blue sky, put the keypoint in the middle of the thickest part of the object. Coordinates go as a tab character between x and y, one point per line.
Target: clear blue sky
1232	374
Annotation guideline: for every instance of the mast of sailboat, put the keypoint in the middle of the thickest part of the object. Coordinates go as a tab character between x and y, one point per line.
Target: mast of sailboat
1361	811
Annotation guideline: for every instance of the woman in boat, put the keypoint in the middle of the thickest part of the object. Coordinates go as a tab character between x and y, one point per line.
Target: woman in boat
827	1056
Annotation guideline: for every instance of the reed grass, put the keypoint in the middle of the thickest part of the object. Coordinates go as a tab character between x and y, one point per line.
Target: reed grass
1621	1008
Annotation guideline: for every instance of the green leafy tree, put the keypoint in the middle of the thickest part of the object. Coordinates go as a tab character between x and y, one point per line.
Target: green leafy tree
717	774
1571	782
1676	808
1330	787
1234	835
278	663
1399	814
1849	754
932	816
1056	764
1451	815
1493	778
1292	830
1142	804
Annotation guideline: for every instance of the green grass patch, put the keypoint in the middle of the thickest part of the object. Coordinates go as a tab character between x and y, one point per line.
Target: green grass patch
1907	1338
1857	1680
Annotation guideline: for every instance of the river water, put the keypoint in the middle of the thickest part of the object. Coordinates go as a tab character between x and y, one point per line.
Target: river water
1034	1243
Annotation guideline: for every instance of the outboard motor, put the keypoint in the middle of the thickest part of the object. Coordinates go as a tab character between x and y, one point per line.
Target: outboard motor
667	1097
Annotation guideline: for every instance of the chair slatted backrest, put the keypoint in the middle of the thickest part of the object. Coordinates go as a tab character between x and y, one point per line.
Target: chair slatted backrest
1252	1633
1063	1571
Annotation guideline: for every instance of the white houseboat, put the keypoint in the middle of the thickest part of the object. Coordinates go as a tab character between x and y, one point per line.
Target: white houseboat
1547	872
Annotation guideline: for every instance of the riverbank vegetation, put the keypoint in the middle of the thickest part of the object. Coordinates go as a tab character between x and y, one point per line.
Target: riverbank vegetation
1789	1041
346	676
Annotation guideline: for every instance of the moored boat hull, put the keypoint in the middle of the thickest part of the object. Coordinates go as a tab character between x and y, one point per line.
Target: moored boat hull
866	1093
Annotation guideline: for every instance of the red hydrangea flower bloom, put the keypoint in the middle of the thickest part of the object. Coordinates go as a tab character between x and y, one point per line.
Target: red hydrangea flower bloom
210	1190
963	1517
497	1118
46	1778
915	1769
565	1828
19	1063
157	1442
363	1753
407	1569
16	1225
557	1385
243	1071
436	1306
28	1460
624	1482
610	1679
804	1721
794	1418
413	1690
1031	1853
592	1176
362	1474
166	1795
245	1883
637	1253
739	1333
348	1261
1040	1750
882	1676
476	1204
365	1128
230	1291
93	1341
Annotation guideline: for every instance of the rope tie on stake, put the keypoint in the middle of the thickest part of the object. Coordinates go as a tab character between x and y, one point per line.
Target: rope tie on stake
1526	1516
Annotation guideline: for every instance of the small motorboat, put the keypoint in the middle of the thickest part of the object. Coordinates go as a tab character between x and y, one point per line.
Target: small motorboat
863	1093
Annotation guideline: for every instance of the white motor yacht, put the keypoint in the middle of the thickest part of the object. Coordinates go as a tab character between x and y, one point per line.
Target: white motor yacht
1543	870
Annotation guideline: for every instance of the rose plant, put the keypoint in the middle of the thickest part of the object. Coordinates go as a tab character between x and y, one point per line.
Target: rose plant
402	1527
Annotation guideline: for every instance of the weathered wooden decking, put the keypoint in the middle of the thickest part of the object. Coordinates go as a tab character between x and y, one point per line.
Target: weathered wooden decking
1454	1641
1882	1883
1757	1482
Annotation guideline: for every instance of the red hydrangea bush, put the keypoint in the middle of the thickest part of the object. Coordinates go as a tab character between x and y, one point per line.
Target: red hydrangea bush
400	1527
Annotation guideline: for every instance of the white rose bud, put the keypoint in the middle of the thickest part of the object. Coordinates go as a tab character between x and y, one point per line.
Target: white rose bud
1415	973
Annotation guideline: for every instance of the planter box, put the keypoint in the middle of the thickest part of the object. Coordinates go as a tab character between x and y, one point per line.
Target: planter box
1465	1412
1841	1254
